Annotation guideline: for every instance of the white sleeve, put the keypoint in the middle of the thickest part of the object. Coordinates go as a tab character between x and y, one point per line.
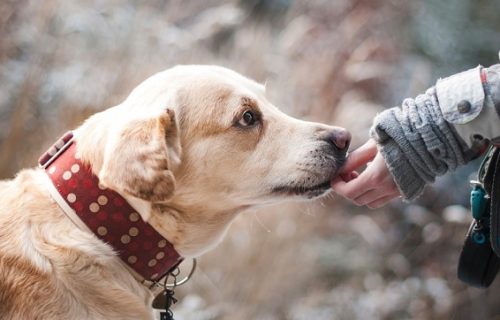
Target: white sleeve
467	107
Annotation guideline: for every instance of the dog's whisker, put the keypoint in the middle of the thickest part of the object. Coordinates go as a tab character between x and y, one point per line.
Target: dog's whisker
307	211
321	203
261	223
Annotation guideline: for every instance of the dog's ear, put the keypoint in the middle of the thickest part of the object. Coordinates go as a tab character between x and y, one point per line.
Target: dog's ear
138	159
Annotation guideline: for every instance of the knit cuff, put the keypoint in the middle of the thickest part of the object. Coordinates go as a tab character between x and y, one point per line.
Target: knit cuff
409	183
417	143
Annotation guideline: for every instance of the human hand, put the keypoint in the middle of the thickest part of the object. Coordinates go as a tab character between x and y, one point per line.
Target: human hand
374	187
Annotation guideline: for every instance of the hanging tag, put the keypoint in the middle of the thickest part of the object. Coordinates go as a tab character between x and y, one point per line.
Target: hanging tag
164	301
160	301
166	315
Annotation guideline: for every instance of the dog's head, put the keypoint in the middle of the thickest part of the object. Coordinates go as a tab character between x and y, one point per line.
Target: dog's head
204	138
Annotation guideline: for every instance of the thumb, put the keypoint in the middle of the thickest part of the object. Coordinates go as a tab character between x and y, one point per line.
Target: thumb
360	156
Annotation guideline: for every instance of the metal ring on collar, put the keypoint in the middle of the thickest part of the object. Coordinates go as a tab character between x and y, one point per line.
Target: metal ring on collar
185	279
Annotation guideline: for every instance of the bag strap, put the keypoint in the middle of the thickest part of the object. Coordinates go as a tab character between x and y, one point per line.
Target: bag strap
479	262
492	187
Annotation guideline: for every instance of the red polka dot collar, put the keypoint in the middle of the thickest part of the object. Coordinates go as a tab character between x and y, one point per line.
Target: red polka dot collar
106	213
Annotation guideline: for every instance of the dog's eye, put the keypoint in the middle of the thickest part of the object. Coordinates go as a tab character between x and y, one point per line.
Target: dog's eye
248	119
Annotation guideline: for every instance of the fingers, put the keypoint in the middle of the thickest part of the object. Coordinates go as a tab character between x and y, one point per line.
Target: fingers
361	192
382	201
349	176
360	156
352	189
372	196
374	187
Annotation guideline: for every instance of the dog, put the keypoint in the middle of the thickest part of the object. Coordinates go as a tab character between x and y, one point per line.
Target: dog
188	150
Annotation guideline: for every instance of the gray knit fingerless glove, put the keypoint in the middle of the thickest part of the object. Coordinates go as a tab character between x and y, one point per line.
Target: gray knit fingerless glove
417	143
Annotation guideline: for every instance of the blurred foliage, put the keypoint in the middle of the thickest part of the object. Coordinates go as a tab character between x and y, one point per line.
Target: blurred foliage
337	62
458	36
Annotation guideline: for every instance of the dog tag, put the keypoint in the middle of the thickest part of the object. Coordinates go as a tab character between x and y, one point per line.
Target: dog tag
160	300
164	301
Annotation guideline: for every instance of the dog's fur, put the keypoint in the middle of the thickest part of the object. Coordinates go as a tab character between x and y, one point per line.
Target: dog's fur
178	150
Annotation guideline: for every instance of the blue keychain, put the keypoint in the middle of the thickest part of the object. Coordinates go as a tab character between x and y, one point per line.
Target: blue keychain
478	200
478	206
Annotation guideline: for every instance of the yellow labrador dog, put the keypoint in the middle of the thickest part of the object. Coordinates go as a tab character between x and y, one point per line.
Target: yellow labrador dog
188	150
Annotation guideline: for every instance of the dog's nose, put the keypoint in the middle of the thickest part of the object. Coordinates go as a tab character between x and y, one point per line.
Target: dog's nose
340	138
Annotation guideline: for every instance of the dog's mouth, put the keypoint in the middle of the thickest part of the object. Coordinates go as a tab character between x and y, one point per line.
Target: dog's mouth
314	190
305	191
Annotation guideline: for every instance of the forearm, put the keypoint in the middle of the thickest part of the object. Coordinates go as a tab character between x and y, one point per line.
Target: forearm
431	135
417	143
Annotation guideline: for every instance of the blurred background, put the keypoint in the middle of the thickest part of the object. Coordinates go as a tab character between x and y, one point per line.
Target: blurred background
338	62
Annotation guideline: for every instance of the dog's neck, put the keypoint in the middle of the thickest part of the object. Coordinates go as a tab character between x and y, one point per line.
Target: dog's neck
189	224
193	230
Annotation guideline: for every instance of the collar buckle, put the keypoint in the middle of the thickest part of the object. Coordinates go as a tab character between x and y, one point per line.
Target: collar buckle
55	150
